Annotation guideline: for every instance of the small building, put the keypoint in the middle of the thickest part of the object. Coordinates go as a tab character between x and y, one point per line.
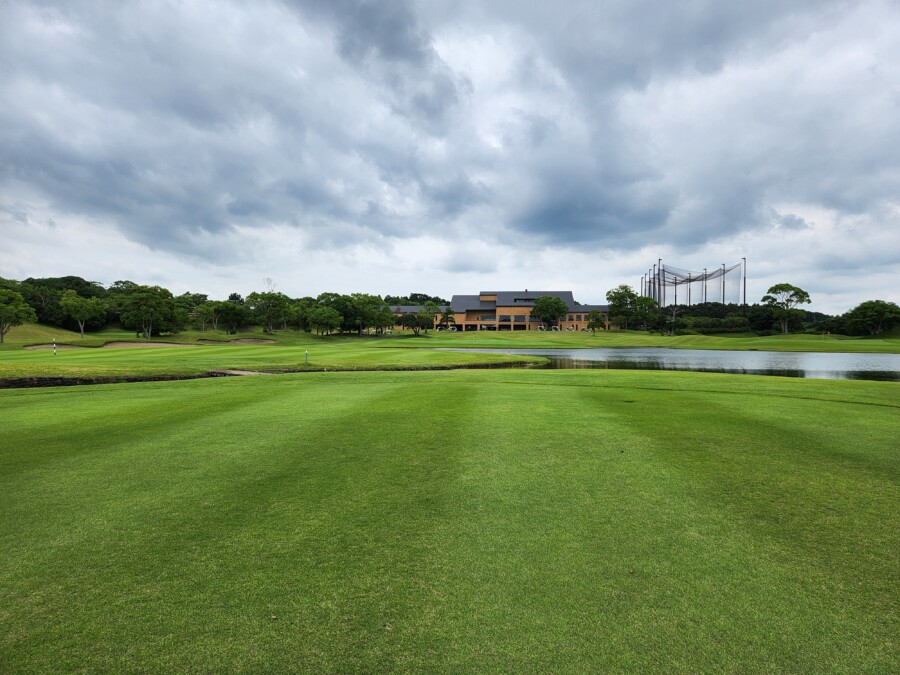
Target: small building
511	310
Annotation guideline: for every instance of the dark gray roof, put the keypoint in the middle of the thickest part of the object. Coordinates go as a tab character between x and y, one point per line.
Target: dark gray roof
461	303
527	298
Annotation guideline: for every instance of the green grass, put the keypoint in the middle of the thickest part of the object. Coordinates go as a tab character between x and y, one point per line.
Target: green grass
32	334
289	353
398	351
451	521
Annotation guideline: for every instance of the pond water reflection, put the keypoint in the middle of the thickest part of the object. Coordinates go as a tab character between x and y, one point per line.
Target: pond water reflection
822	365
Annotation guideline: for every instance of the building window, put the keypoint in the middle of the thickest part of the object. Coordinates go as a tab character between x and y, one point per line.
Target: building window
504	317
519	318
578	317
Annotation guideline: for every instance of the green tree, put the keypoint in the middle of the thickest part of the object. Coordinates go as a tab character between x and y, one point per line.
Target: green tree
596	319
433	310
414	299
621	304
14	311
645	312
81	309
417	321
150	308
385	319
204	314
44	300
784	298
269	308
233	315
549	309
299	314
189	302
872	317
447	316
363	311
116	295
324	319
342	304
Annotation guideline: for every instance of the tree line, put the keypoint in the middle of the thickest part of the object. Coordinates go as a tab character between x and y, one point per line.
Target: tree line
76	304
779	311
79	305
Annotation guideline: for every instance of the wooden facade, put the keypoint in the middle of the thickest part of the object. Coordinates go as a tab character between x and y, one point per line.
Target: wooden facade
511	310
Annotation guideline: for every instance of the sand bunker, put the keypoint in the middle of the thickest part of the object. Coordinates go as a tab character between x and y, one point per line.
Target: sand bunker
117	345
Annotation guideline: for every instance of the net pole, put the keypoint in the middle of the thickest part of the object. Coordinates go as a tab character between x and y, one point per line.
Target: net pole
689	289
723	283
662	285
660	289
704	285
745	283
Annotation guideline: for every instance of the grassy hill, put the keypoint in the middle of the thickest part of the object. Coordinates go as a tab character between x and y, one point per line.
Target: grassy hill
35	333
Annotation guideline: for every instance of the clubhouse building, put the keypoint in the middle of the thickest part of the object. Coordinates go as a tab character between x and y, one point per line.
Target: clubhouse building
511	310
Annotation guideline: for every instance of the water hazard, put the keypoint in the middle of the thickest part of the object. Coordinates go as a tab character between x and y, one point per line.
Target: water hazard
821	365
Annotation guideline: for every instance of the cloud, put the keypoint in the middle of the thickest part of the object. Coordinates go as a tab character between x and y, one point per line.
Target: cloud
480	133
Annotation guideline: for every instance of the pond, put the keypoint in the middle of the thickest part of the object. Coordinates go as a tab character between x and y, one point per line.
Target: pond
825	365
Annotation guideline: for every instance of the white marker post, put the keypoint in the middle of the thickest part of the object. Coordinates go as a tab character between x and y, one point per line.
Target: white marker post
307	357
54	346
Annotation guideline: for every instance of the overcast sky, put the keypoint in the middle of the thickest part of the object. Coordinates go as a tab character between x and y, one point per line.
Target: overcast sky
451	147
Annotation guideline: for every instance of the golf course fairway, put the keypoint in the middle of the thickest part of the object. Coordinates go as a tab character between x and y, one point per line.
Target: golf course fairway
512	520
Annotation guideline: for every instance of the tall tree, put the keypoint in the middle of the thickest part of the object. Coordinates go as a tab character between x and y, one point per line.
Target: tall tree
784	298
324	319
872	317
342	304
645	312
549	309
116	295
14	311
364	310
81	309
44	300
423	319
150	308
299	315
621	304
268	307
204	314
447	316
233	315
385	319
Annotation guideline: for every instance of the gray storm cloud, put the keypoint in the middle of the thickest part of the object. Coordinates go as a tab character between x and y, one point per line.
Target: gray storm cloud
608	125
